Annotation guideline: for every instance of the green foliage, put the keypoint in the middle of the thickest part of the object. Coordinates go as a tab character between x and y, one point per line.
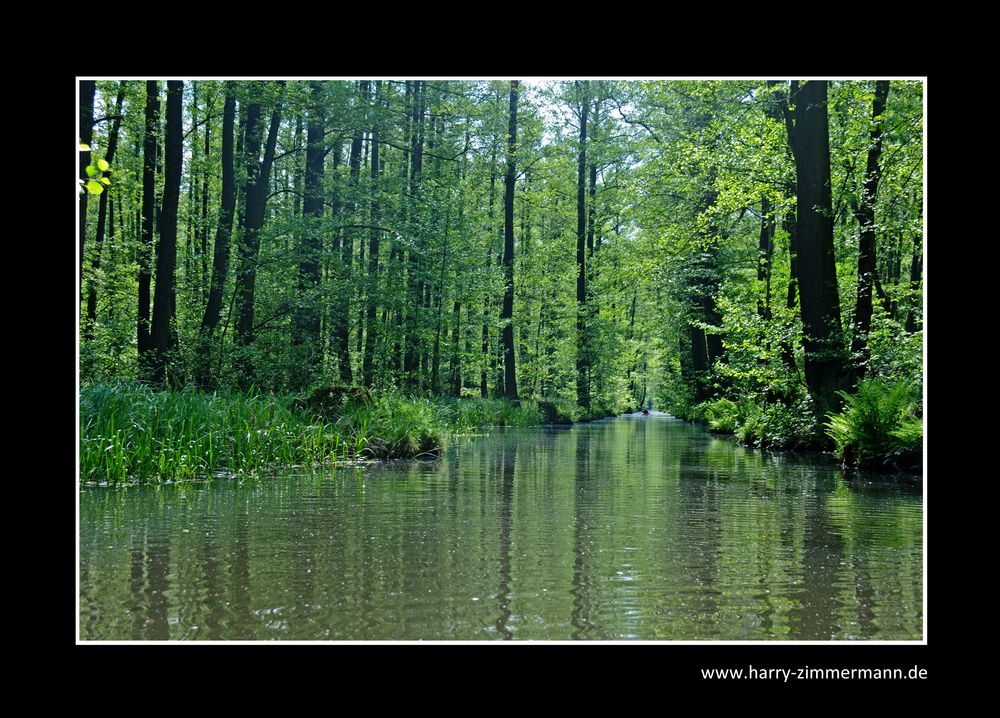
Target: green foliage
721	415
130	432
894	353
778	426
95	171
559	411
880	425
689	173
394	428
464	415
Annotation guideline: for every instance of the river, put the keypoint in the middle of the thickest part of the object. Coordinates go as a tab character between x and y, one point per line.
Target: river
630	528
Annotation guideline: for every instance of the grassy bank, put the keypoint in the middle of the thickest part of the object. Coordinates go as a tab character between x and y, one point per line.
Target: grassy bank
130	432
880	426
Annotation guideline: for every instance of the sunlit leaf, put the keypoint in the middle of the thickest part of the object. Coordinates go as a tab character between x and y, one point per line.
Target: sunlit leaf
95	187
103	165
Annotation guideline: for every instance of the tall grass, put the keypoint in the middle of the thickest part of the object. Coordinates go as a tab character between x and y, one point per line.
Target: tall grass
465	415
130	432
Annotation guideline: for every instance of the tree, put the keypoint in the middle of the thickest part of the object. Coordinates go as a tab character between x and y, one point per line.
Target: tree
817	270
374	247
223	232
507	312
258	174
582	340
164	333
865	215
418	236
102	214
227	208
306	335
152	117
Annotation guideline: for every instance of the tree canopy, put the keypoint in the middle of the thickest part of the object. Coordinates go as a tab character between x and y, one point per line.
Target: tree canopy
611	243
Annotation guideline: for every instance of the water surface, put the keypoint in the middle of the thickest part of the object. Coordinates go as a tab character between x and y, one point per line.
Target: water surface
631	528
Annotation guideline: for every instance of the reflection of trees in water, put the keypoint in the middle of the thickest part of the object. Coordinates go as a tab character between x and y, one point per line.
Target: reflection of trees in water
699	504
137	584
509	458
239	573
212	587
157	571
878	528
816	615
580	614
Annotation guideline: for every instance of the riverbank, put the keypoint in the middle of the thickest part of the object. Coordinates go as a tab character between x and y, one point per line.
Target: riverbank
130	432
879	427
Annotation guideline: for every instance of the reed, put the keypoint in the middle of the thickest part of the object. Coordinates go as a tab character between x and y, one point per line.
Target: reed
131	432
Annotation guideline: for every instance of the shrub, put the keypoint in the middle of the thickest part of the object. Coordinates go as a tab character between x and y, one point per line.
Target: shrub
558	411
721	415
778	426
879	426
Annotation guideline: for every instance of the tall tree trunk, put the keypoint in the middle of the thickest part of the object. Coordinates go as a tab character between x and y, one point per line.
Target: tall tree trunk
436	351
193	198
152	117
765	252
865	215
306	336
342	321
817	269
205	192
164	338
374	237
411	359
699	363
582	339
88	89
455	368
592	205
258	179
102	213
629	378
484	389
507	311
223	231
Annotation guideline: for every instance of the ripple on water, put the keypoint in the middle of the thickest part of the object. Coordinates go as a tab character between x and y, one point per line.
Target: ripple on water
626	529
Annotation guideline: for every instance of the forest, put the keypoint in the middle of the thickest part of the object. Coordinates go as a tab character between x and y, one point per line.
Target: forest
279	272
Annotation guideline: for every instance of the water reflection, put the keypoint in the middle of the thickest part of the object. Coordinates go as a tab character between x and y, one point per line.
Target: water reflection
628	528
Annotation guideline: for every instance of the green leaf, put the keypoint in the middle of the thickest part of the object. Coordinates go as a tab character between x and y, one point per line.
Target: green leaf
91	171
95	187
103	165
105	181
84	148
